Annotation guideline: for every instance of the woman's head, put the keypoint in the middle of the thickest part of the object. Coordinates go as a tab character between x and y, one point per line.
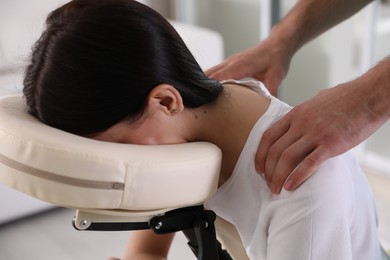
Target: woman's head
98	60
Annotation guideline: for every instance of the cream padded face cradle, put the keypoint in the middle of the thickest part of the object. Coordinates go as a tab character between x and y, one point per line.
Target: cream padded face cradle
78	172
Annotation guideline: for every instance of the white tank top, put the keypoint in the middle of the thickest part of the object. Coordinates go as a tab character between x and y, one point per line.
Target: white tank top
330	216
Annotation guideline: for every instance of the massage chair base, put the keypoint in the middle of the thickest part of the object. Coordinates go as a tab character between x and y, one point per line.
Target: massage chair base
195	222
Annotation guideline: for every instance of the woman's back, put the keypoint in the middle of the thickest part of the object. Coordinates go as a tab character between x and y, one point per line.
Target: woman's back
331	216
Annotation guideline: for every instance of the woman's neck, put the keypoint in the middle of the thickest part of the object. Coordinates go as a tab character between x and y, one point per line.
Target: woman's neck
228	122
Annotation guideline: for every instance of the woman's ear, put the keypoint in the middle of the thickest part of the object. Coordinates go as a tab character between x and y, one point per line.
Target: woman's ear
166	98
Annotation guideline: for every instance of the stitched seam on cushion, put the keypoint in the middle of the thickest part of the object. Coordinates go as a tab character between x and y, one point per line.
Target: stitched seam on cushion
103	185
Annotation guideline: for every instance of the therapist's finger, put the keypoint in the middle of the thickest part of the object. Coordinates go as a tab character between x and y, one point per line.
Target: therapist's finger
289	160
227	70
228	73
279	153
306	169
212	70
221	71
269	137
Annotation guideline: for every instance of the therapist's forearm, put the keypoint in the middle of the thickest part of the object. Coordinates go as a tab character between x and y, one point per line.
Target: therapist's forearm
310	18
376	83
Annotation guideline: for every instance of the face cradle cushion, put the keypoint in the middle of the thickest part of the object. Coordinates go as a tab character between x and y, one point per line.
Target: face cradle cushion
82	173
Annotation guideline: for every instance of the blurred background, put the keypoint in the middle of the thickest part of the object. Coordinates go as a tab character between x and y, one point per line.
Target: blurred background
341	54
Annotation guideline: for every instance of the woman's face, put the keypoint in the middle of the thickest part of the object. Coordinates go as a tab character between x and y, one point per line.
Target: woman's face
130	133
148	130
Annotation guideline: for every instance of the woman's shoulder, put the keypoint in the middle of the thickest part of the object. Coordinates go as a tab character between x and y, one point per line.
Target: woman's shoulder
337	180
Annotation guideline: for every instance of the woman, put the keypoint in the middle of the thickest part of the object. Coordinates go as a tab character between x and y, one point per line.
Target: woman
116	71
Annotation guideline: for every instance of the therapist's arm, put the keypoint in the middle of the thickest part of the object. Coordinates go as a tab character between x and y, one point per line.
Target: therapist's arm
269	60
325	125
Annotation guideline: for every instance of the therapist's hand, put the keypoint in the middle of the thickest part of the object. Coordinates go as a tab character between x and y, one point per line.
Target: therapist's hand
268	62
331	123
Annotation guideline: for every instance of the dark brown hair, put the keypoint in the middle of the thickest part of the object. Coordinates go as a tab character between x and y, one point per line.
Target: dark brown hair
97	60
